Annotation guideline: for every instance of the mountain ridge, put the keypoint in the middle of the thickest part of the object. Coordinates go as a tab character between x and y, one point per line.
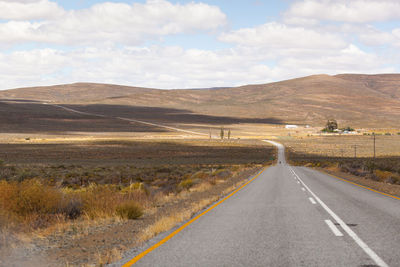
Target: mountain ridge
354	99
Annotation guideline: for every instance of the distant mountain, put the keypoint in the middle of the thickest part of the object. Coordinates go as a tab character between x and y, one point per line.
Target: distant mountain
353	99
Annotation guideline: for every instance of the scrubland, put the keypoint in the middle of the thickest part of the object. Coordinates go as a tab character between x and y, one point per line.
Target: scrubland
344	145
60	193
328	153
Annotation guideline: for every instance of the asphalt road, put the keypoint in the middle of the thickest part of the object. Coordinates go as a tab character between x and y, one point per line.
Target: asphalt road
290	216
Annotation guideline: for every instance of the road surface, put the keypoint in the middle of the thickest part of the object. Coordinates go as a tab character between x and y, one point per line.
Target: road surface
289	216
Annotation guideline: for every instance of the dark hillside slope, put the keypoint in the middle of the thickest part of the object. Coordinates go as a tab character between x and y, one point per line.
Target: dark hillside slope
352	99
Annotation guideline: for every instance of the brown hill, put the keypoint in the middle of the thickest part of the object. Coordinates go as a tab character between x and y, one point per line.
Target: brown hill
353	99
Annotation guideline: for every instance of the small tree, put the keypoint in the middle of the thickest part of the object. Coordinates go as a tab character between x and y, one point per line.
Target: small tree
331	126
229	134
222	133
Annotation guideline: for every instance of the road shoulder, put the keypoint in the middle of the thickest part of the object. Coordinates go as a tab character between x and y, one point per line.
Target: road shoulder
379	187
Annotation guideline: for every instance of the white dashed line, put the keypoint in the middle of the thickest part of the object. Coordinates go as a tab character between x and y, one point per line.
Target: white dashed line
347	229
312	200
333	227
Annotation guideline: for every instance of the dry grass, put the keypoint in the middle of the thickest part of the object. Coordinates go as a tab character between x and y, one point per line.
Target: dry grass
186	184
383	175
111	256
31	205
343	146
164	224
198	206
130	210
168	222
201	187
37	210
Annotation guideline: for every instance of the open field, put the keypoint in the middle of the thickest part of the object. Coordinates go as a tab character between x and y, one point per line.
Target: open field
59	194
135	152
343	146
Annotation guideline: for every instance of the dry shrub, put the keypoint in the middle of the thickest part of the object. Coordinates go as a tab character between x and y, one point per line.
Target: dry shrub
129	210
99	200
30	202
236	168
186	184
4	220
383	175
333	167
200	175
201	187
72	208
222	173
102	200
394	179
110	257
213	181
386	176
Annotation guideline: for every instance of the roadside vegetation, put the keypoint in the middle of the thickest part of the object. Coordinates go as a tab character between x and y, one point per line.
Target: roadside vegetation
382	173
386	170
345	146
48	195
159	187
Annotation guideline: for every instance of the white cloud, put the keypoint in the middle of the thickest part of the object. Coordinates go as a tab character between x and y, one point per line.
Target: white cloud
356	11
175	67
350	59
29	10
282	37
155	66
106	44
373	37
114	22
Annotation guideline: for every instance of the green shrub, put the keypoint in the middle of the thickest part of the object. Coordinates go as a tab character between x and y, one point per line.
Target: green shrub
129	210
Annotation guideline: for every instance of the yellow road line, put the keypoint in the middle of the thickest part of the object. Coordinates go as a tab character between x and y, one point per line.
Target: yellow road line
365	187
165	239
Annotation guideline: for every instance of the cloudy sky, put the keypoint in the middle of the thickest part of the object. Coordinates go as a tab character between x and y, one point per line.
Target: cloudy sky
194	44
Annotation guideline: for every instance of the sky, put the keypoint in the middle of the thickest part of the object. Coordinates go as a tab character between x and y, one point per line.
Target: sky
172	44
